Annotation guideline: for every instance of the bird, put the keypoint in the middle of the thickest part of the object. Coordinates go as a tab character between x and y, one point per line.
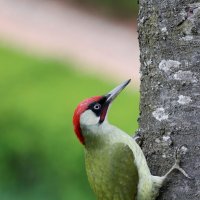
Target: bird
115	164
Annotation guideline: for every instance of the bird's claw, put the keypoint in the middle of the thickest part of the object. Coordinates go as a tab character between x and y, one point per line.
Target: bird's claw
138	139
179	151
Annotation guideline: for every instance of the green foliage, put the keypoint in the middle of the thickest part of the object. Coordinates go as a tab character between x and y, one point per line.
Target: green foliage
40	156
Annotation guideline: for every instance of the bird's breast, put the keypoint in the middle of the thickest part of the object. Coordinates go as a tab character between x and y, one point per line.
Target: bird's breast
111	172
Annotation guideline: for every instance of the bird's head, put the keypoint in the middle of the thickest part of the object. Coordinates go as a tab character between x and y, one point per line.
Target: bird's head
93	111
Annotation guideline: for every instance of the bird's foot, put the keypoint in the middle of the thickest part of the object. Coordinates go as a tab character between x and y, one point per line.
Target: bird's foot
179	151
138	138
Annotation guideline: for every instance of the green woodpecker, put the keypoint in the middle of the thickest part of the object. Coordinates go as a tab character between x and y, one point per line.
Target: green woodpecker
115	164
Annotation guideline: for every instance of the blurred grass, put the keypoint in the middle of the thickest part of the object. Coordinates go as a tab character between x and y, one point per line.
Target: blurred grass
116	8
40	156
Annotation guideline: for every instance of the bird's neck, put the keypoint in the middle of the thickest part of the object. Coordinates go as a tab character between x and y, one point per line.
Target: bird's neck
96	136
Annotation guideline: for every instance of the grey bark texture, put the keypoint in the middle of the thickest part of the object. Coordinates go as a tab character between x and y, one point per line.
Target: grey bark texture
169	37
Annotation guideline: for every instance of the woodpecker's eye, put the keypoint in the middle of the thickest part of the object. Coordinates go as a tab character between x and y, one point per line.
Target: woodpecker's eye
97	106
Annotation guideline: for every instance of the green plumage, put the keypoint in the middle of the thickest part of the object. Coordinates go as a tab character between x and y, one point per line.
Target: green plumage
116	166
108	173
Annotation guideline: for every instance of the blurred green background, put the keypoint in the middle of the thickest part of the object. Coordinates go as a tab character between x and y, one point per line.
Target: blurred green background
40	155
117	8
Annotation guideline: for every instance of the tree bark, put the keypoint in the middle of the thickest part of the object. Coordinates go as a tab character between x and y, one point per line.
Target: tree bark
169	37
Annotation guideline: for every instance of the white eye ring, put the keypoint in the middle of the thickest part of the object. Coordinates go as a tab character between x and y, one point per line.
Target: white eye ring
97	106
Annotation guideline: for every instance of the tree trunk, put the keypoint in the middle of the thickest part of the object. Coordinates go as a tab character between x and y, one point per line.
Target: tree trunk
169	37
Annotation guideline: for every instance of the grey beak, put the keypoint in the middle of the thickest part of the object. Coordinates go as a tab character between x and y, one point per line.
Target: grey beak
114	93
110	97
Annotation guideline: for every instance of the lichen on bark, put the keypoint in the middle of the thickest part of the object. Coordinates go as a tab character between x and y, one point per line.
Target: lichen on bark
169	38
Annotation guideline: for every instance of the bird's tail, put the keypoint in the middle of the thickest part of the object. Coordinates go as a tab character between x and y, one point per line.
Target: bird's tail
157	184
